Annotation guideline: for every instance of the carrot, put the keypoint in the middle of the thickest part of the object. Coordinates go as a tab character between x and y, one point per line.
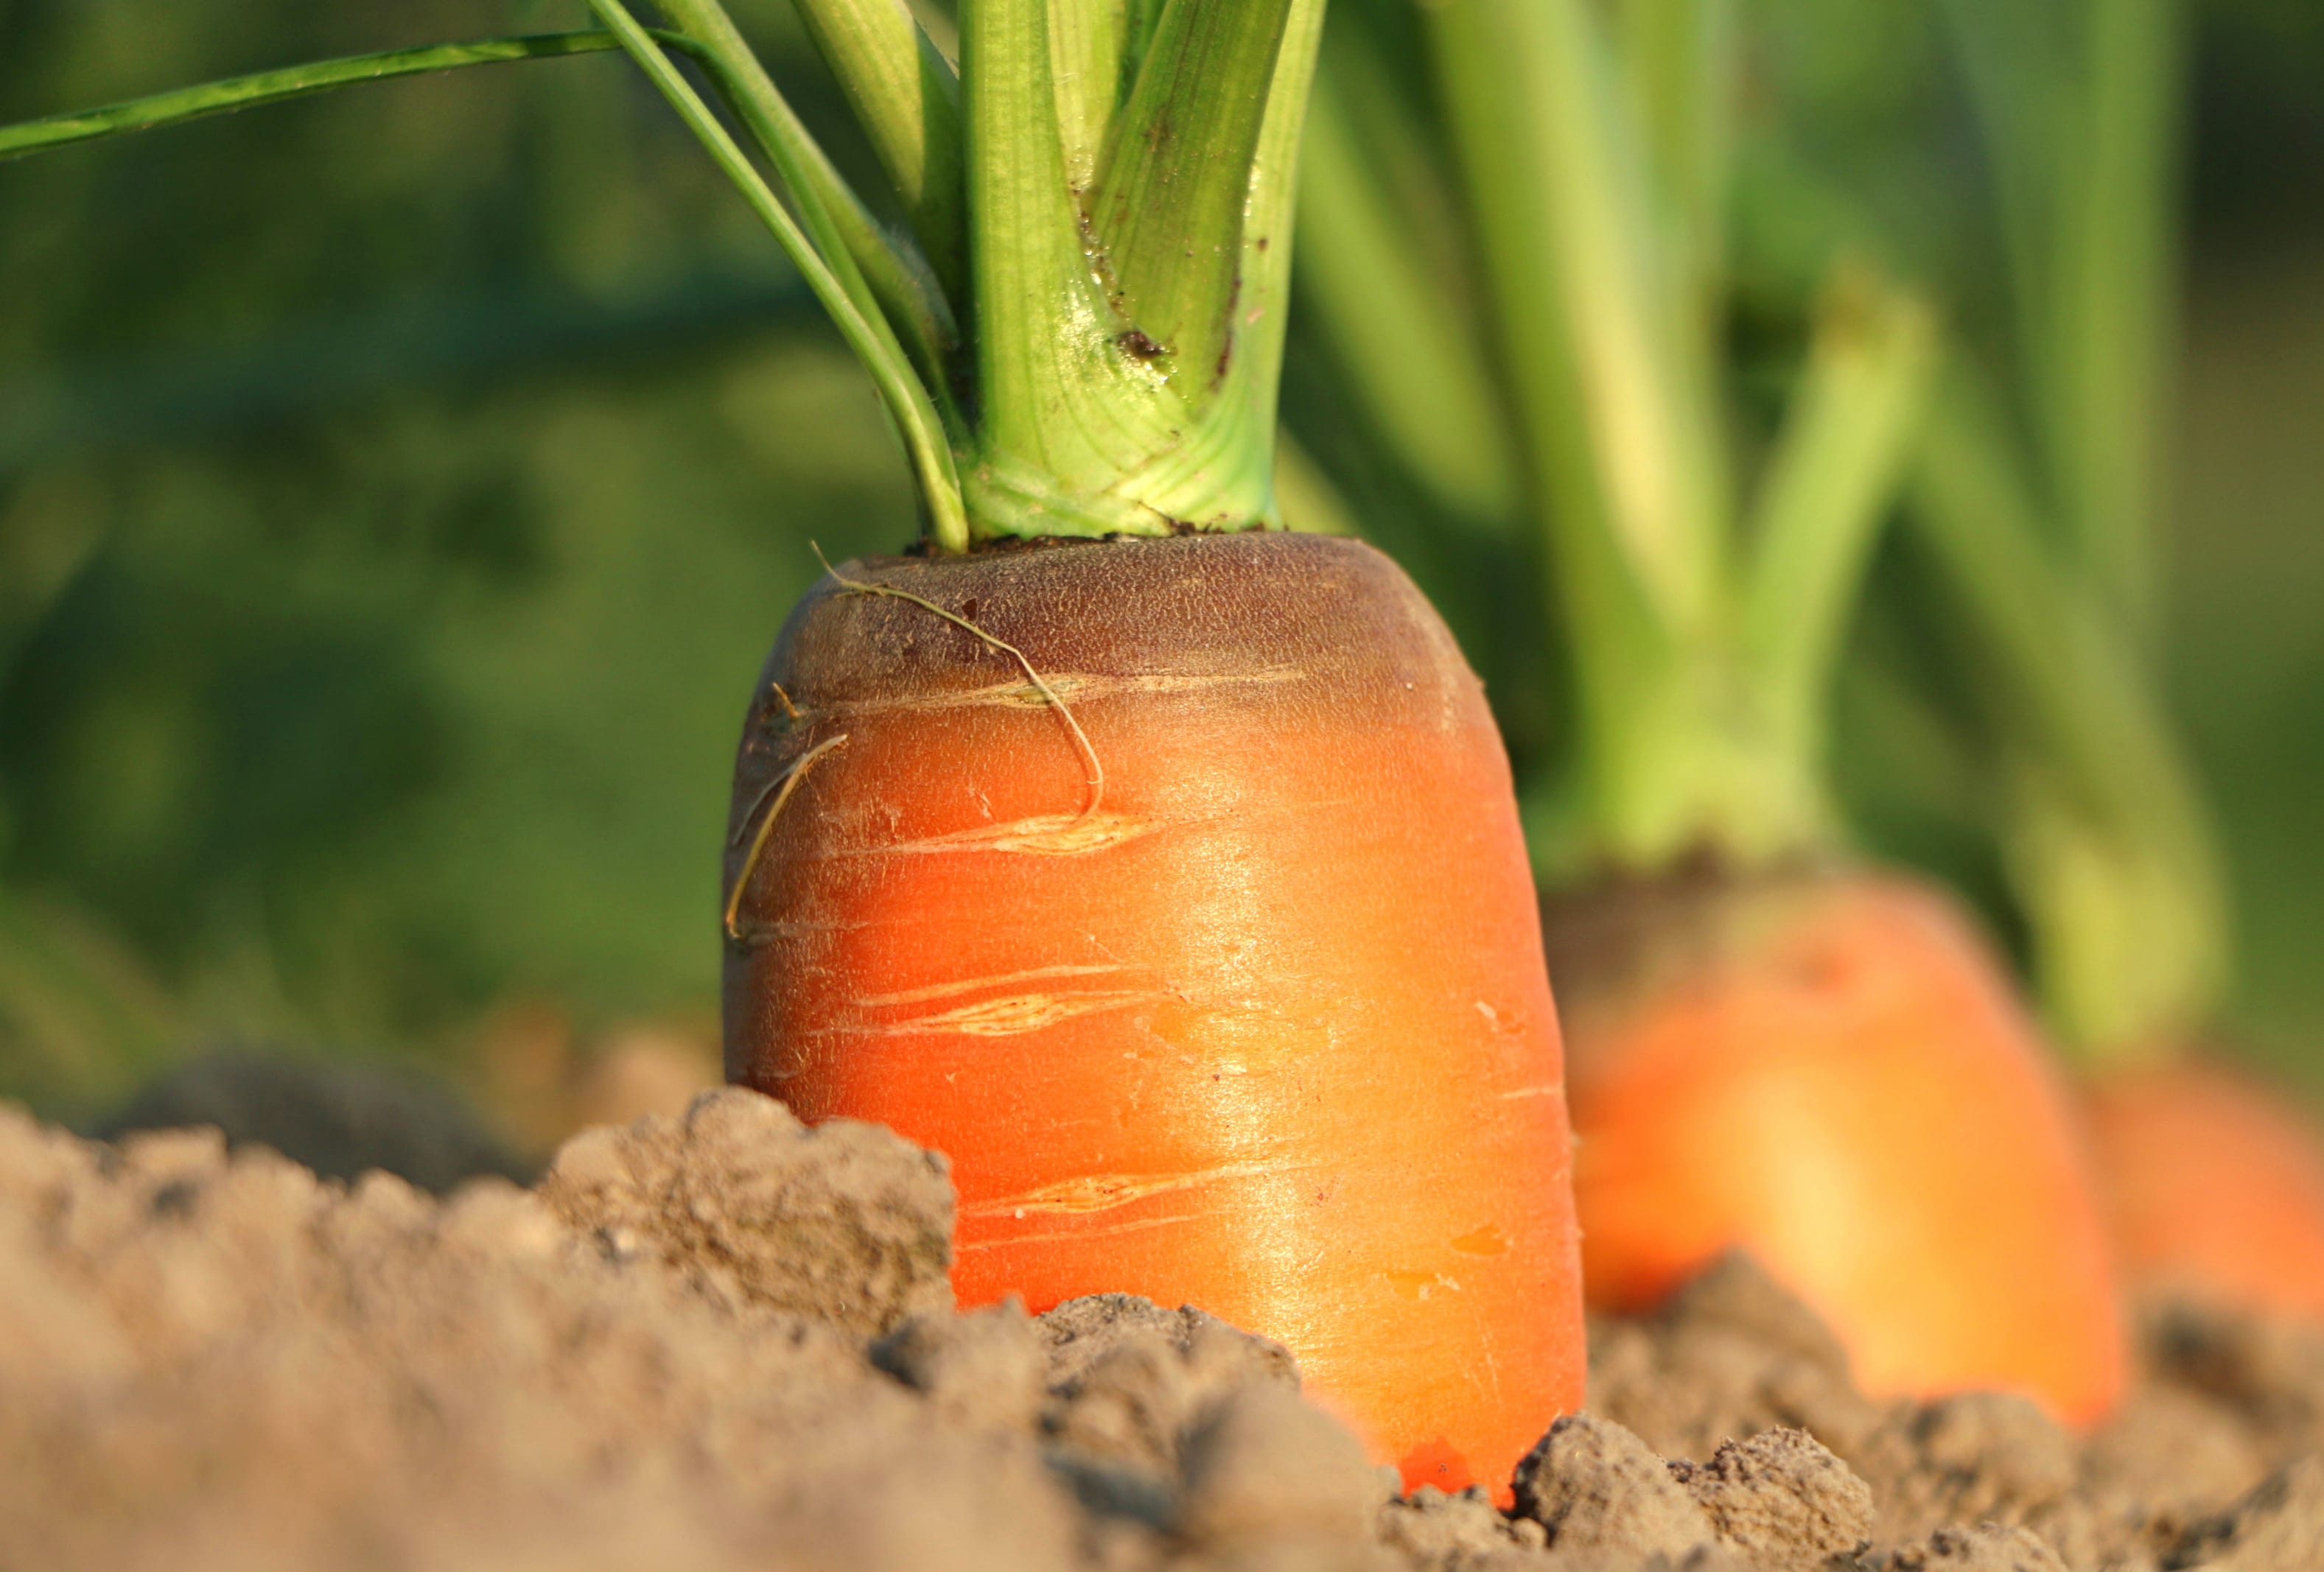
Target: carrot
1825	1069
2041	532
1261	1027
1162	872
1783	1064
2217	1189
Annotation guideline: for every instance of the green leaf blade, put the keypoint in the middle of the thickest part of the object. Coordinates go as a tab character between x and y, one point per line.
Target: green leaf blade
224	97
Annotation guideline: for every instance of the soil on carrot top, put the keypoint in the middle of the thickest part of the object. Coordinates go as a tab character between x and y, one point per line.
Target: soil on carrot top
725	1339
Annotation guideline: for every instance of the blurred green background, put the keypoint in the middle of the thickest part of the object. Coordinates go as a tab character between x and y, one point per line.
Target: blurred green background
399	491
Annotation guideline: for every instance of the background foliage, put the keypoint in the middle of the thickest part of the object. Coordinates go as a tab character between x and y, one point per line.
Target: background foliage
397	492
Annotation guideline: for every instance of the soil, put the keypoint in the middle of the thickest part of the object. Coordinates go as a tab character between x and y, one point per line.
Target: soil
727	1340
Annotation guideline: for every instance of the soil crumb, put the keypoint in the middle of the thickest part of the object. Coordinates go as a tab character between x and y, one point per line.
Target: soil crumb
723	1339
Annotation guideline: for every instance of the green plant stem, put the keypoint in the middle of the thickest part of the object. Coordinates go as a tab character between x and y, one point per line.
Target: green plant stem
908	98
1836	470
220	97
1170	221
1065	410
833	279
1222	471
2079	108
2102	368
1676	57
1122	391
1559	183
900	282
1414	359
1616	403
1088	45
2111	847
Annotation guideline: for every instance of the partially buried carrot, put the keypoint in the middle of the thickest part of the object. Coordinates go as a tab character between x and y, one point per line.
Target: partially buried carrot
1259	1026
1774	1048
1160	868
2217	1187
1828	1069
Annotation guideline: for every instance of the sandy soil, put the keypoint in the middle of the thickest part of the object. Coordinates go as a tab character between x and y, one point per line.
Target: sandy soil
727	1340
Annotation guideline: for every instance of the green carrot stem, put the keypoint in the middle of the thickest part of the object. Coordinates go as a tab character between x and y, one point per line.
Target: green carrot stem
907	98
2102	368
1836	470
1128	353
833	279
1614	392
1677	60
1172	230
2110	846
901	284
2079	103
1413	359
180	105
1062	393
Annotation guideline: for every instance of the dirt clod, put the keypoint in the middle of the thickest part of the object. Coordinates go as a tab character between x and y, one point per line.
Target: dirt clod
1780	1495
1593	1486
2278	1525
1263	1464
847	1223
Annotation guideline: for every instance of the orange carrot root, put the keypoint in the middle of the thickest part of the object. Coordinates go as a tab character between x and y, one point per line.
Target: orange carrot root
1269	1035
1830	1072
2216	1185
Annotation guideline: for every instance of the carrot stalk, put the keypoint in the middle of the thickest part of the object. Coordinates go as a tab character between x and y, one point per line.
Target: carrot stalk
906	97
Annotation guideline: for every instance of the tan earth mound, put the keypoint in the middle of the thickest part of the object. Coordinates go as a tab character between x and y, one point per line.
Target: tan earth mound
726	1340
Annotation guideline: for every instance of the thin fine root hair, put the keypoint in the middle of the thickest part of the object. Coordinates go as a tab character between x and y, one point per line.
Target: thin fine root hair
1095	776
782	786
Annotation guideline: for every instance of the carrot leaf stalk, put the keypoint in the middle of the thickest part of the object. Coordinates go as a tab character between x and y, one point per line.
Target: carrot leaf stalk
2079	105
833	277
1838	462
1706	615
2109	841
1081	334
906	97
1130	334
2042	525
181	105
